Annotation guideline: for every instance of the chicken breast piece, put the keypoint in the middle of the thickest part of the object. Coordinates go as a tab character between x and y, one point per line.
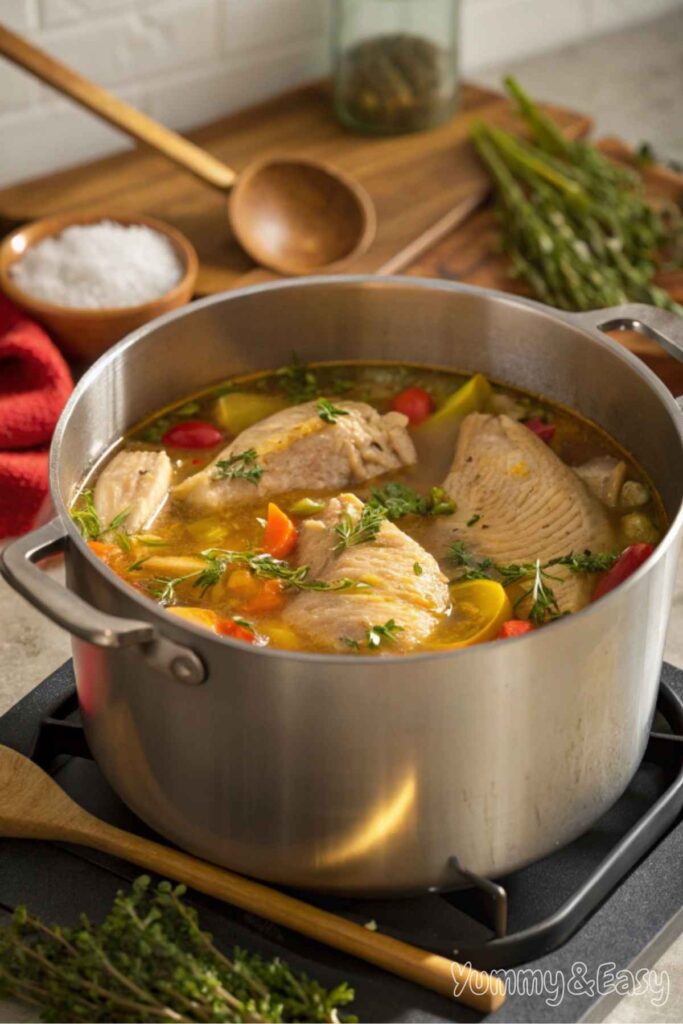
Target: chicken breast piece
296	448
134	482
332	619
529	503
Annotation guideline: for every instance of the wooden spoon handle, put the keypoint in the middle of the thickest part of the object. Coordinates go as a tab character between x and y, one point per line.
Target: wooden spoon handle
118	113
476	989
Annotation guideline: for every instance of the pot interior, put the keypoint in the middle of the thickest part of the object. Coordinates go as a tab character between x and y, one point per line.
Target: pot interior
429	322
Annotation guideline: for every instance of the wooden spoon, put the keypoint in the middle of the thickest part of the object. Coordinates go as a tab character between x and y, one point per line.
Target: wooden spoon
294	215
33	806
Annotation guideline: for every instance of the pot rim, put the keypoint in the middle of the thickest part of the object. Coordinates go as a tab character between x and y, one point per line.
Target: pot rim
180	629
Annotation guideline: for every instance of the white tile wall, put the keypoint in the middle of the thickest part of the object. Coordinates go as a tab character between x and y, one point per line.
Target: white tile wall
188	61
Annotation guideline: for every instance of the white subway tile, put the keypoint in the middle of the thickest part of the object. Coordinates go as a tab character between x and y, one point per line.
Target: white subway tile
20	15
503	30
247	24
61	12
607	15
139	42
17	88
199	96
53	136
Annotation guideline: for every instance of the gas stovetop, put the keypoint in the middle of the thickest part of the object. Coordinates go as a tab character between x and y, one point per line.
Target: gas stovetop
614	896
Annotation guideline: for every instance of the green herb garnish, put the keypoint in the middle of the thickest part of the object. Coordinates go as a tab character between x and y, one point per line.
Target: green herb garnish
388	633
242	466
533	576
263	566
361	530
399	500
473	519
298	382
151	960
328	412
244	623
85	516
349	642
163	588
417	569
88	521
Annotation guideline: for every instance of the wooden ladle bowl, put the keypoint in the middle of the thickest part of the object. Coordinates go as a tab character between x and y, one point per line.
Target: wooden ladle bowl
290	214
299	216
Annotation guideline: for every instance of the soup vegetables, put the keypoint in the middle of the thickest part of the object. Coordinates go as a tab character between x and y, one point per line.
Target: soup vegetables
248	566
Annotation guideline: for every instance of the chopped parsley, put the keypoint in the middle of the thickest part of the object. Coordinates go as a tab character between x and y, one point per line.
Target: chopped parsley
399	500
242	466
298	382
328	412
473	519
417	569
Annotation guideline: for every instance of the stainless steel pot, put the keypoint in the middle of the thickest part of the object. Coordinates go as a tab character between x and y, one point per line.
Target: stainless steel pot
365	775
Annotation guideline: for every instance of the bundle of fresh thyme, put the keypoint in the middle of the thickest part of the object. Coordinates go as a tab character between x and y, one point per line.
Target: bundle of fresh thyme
533	577
149	960
576	227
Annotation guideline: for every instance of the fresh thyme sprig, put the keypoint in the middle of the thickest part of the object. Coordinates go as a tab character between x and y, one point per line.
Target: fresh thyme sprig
241	466
87	519
263	566
328	412
360	530
534	576
150	960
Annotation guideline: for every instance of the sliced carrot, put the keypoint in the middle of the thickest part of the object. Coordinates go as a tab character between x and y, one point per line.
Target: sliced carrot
269	599
102	550
280	534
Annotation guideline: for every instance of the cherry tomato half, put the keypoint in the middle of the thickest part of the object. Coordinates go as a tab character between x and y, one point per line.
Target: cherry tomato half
415	403
192	434
544	431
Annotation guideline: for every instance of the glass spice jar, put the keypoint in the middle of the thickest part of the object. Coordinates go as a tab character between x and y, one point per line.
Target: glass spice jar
395	63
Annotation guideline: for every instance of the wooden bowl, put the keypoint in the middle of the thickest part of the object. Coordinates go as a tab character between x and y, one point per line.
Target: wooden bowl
88	332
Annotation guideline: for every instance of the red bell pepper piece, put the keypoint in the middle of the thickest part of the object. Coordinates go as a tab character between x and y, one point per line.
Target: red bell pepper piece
544	431
630	559
514	627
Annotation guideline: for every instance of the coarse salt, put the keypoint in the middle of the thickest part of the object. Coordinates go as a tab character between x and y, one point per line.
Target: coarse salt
99	266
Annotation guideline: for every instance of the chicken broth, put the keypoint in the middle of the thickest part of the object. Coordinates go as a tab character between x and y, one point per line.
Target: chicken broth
369	508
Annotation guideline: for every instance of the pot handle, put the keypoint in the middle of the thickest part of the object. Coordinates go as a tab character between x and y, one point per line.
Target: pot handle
71	612
660	325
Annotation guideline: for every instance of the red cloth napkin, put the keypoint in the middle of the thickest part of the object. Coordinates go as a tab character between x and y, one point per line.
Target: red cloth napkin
34	386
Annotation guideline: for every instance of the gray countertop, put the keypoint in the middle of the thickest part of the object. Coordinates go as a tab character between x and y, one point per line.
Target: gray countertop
632	83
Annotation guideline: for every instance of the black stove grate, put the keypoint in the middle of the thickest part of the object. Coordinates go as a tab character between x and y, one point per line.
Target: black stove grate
517	919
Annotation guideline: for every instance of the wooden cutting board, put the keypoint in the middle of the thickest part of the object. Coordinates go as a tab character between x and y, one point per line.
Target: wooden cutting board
422	184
